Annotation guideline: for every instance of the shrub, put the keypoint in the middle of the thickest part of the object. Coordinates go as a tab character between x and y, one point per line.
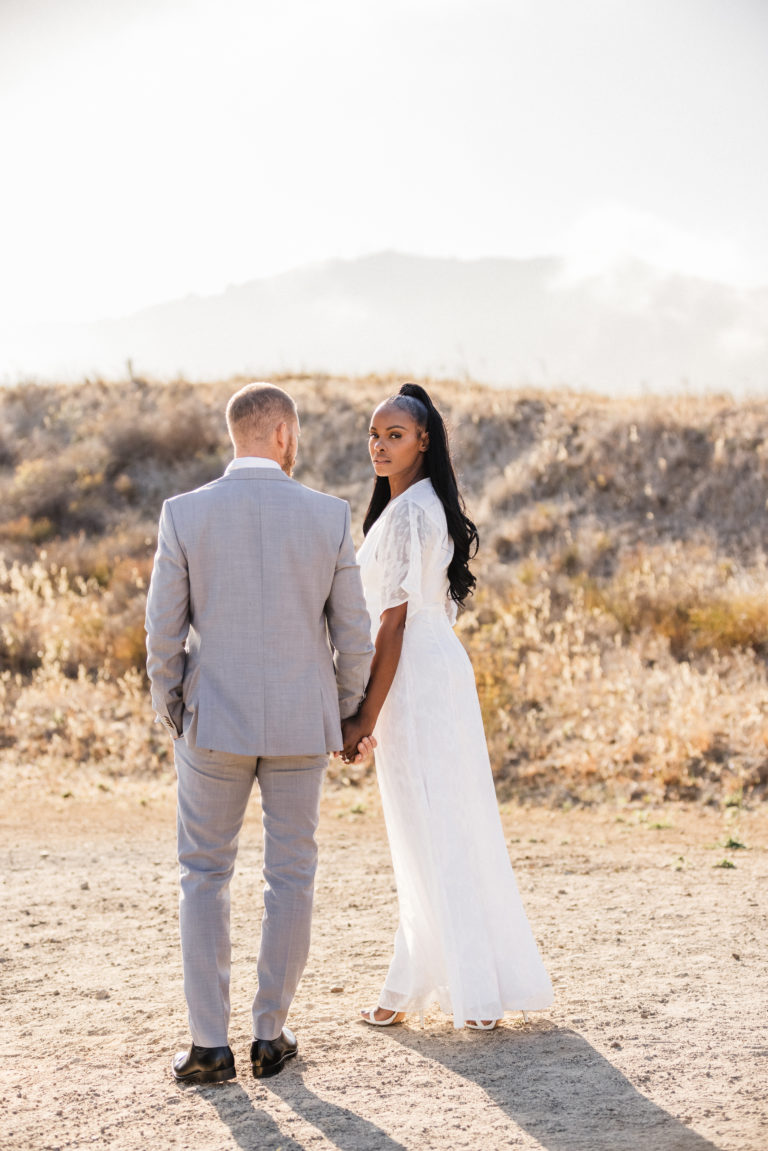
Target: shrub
619	632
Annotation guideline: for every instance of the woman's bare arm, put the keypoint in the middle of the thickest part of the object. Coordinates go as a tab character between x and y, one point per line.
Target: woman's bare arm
389	644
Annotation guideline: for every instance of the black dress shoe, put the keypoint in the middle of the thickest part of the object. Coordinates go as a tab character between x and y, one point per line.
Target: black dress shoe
269	1055
204	1065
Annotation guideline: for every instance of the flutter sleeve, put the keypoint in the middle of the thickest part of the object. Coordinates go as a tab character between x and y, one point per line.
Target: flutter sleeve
399	556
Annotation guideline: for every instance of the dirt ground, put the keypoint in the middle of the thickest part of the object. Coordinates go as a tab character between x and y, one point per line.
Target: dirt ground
657	1039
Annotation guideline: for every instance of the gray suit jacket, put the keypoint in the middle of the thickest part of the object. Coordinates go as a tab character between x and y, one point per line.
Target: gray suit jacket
258	639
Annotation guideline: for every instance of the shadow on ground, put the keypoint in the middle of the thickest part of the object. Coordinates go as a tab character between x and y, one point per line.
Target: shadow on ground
548	1081
558	1088
252	1128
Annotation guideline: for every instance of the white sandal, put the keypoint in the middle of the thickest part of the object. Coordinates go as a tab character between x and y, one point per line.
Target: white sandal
370	1017
478	1025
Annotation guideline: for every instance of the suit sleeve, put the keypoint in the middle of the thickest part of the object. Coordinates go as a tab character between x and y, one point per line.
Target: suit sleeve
349	626
167	624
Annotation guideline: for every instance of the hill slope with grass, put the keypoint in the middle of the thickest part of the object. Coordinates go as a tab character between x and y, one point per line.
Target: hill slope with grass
620	627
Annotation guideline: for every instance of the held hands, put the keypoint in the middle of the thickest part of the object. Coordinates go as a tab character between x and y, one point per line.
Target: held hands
356	731
358	741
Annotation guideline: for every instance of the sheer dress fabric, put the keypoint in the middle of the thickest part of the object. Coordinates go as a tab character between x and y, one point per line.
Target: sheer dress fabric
463	939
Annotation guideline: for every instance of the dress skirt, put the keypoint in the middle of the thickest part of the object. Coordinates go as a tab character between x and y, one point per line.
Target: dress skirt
463	940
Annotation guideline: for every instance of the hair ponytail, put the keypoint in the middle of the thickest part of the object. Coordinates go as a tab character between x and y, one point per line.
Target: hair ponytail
416	400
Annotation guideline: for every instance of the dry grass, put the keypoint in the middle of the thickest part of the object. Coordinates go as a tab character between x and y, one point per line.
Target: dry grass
619	636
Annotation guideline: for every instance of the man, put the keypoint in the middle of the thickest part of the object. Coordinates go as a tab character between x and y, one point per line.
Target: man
258	644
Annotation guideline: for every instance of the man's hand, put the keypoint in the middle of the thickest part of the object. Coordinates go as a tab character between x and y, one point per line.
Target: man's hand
169	725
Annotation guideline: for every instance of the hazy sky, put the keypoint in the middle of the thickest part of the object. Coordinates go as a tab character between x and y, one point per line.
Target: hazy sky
152	148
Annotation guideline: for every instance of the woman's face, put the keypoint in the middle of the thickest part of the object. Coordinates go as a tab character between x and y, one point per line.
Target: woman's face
397	444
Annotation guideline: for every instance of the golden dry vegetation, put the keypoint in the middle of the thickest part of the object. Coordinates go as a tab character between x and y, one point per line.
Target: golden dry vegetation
620	630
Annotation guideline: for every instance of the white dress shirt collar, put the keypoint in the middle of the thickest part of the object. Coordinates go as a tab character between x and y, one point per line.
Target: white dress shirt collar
251	462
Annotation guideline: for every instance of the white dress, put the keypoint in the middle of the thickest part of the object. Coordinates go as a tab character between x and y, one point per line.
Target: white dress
463	939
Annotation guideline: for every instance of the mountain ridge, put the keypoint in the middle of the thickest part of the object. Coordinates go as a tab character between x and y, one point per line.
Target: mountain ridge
507	322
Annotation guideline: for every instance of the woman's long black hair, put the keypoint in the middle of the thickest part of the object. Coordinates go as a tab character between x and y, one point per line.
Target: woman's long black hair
416	401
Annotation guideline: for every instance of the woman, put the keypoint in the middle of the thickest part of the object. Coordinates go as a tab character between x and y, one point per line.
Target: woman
463	937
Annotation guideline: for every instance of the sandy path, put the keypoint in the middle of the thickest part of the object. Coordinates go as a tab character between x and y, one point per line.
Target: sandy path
657	1039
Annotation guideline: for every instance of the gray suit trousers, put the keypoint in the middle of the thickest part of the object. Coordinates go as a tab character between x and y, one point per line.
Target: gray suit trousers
213	792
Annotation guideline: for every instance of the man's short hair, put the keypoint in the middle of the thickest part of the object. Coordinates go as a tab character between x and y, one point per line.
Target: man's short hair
255	411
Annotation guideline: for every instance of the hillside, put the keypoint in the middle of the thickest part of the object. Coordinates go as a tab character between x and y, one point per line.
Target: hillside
620	628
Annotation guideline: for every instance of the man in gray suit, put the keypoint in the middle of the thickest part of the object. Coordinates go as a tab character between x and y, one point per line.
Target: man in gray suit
258	645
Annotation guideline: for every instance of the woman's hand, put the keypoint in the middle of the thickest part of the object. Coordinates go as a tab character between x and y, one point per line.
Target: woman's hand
358	741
